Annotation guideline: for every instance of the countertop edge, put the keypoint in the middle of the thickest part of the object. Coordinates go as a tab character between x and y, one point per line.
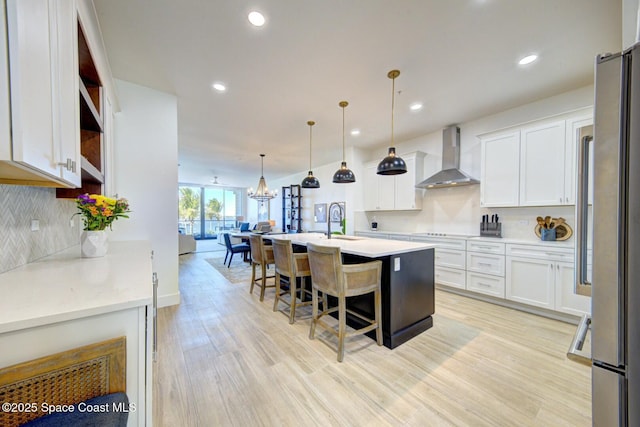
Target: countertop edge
64	286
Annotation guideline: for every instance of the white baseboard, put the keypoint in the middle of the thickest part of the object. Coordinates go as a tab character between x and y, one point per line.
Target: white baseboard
167	300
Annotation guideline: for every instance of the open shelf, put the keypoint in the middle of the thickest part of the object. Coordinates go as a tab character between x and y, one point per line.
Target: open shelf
89	116
90	173
91	124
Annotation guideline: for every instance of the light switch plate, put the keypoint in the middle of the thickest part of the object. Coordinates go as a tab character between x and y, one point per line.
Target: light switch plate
35	225
396	264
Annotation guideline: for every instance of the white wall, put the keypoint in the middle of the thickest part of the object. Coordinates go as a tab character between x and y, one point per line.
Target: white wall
328	192
146	173
630	22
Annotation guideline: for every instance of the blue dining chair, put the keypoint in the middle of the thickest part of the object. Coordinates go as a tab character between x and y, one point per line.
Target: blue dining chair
242	248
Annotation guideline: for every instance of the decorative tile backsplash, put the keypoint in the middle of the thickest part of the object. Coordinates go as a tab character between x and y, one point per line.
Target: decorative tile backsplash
19	205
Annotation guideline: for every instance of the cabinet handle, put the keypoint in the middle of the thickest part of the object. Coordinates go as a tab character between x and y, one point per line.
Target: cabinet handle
485	263
484	284
560	199
154	350
69	165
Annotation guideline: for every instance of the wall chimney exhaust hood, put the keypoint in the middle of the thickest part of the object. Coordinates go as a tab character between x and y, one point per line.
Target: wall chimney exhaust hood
450	175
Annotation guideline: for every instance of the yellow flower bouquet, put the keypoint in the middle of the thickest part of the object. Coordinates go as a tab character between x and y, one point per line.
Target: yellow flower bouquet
98	212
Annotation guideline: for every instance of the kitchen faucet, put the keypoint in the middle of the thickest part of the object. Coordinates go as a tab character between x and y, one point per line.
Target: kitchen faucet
329	217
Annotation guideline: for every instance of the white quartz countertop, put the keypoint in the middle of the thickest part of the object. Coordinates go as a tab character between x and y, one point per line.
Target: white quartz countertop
419	235
356	245
65	286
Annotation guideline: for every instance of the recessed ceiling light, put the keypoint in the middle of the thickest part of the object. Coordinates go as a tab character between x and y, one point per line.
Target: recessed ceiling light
219	87
528	59
256	18
416	106
355	132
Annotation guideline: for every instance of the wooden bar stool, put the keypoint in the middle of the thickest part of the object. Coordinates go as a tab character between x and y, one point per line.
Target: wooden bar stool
261	255
291	265
330	276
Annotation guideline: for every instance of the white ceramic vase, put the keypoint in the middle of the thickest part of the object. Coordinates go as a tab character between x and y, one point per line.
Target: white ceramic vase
94	244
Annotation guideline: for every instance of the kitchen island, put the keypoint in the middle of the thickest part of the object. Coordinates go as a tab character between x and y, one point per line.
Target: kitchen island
407	281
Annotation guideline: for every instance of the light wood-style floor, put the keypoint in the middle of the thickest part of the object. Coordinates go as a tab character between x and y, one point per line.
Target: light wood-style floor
226	359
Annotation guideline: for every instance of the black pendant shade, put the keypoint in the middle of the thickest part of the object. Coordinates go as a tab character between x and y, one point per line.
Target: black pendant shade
310	181
344	175
392	164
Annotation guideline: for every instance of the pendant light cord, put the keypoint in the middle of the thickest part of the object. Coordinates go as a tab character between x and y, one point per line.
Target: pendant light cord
343	157
393	94
310	145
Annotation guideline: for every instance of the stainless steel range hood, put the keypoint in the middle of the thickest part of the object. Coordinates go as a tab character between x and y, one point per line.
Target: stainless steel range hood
450	175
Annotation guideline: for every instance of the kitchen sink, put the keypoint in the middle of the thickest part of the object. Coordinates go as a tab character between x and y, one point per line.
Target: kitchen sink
343	237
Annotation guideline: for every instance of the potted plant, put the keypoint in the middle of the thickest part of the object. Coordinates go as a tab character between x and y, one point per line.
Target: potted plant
98	212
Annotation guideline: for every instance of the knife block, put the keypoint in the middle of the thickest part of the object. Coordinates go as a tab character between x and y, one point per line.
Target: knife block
491	229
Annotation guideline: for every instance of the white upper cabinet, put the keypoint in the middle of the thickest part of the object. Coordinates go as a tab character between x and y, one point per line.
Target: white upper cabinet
394	192
407	196
542	164
66	106
44	144
5	118
533	164
500	157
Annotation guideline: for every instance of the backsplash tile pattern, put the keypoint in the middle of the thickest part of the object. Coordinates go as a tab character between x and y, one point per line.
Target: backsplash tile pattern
18	206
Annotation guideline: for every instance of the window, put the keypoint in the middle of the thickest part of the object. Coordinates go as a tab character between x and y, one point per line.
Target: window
204	211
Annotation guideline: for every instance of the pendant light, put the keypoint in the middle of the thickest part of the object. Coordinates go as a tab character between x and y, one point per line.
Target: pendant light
262	193
310	181
392	164
343	175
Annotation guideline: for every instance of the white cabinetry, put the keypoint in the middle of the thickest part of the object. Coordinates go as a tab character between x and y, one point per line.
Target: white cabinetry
5	118
395	192
532	164
500	169
485	267
42	52
69	304
543	277
449	261
542	165
379	191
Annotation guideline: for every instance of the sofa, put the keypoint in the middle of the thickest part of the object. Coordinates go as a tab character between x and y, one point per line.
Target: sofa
186	243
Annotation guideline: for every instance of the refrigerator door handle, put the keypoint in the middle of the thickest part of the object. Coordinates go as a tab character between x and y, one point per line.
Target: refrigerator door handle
575	352
582	285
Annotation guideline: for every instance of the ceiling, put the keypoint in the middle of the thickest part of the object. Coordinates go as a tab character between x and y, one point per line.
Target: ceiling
458	57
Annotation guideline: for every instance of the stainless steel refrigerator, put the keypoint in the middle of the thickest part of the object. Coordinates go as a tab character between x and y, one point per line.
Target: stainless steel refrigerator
615	241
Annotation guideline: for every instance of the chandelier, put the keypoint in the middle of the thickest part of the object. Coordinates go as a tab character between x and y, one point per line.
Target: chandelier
262	193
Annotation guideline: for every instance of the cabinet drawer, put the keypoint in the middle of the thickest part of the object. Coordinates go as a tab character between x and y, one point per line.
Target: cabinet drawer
442	242
542	252
372	234
485	284
450	258
450	277
485	247
403	237
485	263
